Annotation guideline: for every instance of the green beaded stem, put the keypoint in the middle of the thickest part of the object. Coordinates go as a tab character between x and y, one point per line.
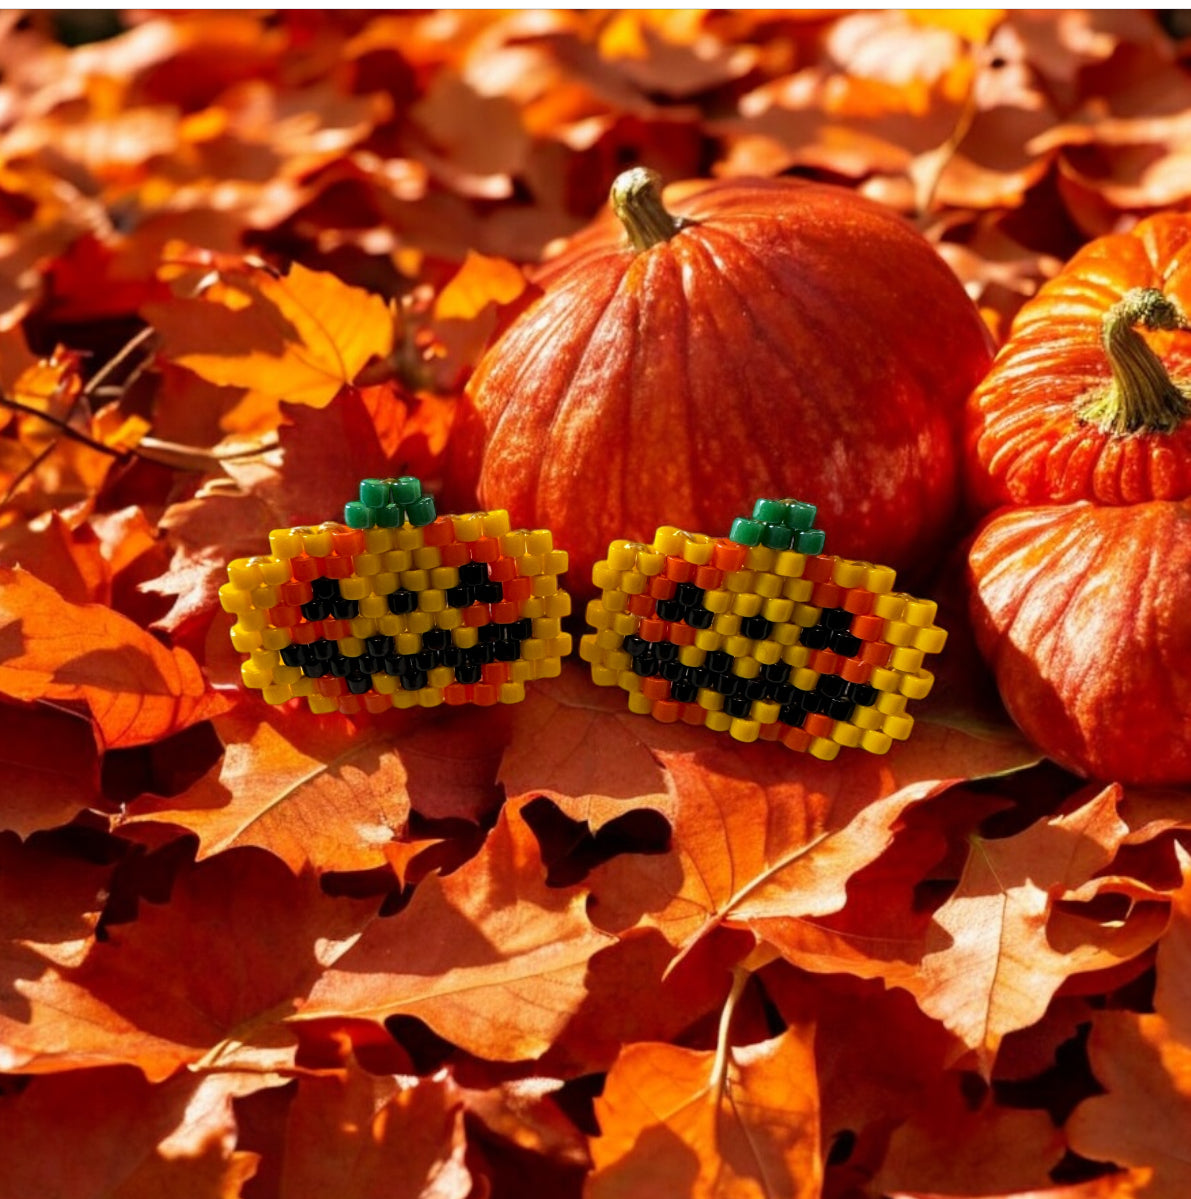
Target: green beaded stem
777	537
358	516
799	516
374	493
421	511
770	512
405	490
810	541
745	531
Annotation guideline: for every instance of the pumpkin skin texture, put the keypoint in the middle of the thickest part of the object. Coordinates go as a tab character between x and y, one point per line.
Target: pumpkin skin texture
1025	439
1083	613
789	339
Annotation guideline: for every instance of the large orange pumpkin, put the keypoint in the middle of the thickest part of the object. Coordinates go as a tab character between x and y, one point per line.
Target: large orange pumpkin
1090	397
763	337
1084	614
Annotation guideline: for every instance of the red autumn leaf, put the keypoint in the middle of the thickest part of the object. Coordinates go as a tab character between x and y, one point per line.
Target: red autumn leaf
992	963
299	337
69	559
136	689
374	1137
128	1139
328	793
50	765
1111	1186
1144	1064
759	836
675	1122
488	956
208	977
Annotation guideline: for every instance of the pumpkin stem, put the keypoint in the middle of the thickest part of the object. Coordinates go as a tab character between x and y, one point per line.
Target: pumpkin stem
637	200
1142	397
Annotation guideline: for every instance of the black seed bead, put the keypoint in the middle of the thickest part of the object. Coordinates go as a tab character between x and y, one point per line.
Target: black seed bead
831	685
524	628
452	656
357	684
738	705
730	684
402	602
489	593
755	688
325	589
428	659
343	609
844	644
488	632
487	652
809	700
776	672
718	661
415	681
836	618
669	610
468	672
406	664
865	695
472	574
645	665
840	709
435	639
323	649
756	627
314	670
461	596
670	670
687	594
702	677
379	645
316	609
682	691
474	655
634	645
508	632
780	693
815	638
507	651
339	666
293	655
793	715
393	664
699	618
665	651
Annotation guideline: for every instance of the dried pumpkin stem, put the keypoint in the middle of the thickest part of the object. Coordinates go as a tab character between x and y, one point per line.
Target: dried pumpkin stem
637	201
1142	397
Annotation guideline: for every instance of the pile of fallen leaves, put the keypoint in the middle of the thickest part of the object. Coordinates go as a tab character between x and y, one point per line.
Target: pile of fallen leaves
555	949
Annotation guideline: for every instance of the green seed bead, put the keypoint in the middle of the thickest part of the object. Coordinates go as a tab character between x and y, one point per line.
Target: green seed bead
800	516
391	516
421	511
404	491
810	541
374	493
777	537
770	512
358	516
745	531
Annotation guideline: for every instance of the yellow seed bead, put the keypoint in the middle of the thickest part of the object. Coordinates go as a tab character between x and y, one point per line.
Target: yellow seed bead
765	711
691	655
440	676
397	561
799	591
889	607
469	527
603	676
511	693
930	640
767	652
374	607
868	718
633	582
804	678
427	558
745	668
264	597
495	523
432	600
544	585
745	603
539	541
254	620
760	558
880	579
907	658
806	616
650	562
709	640
303	688
720	721
624	624
413	580
277	693
377	541
274	571
321	705
449	618
737	646
718	601
713	701
408	538
391	625
244	574
777	611
408	643
529	565
354	587
464	637
823	749
917	685
920	612
405	699
429	697
367	564
698	549
244	641
520	671
886	680
744	730
899	727
546	628
785	633
789	564
890	703
738	580
272	638
556	562
363	627
549	668
557	605
285	543
256	679
796	656
385	684
846	734
639	704
420	622
234	599
768	585
876	741
317	542
512	544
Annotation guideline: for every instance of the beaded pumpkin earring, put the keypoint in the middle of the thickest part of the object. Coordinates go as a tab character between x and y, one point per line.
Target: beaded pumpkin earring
761	635
397	607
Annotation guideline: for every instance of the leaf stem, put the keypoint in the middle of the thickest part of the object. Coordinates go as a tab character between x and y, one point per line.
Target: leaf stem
723	1047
